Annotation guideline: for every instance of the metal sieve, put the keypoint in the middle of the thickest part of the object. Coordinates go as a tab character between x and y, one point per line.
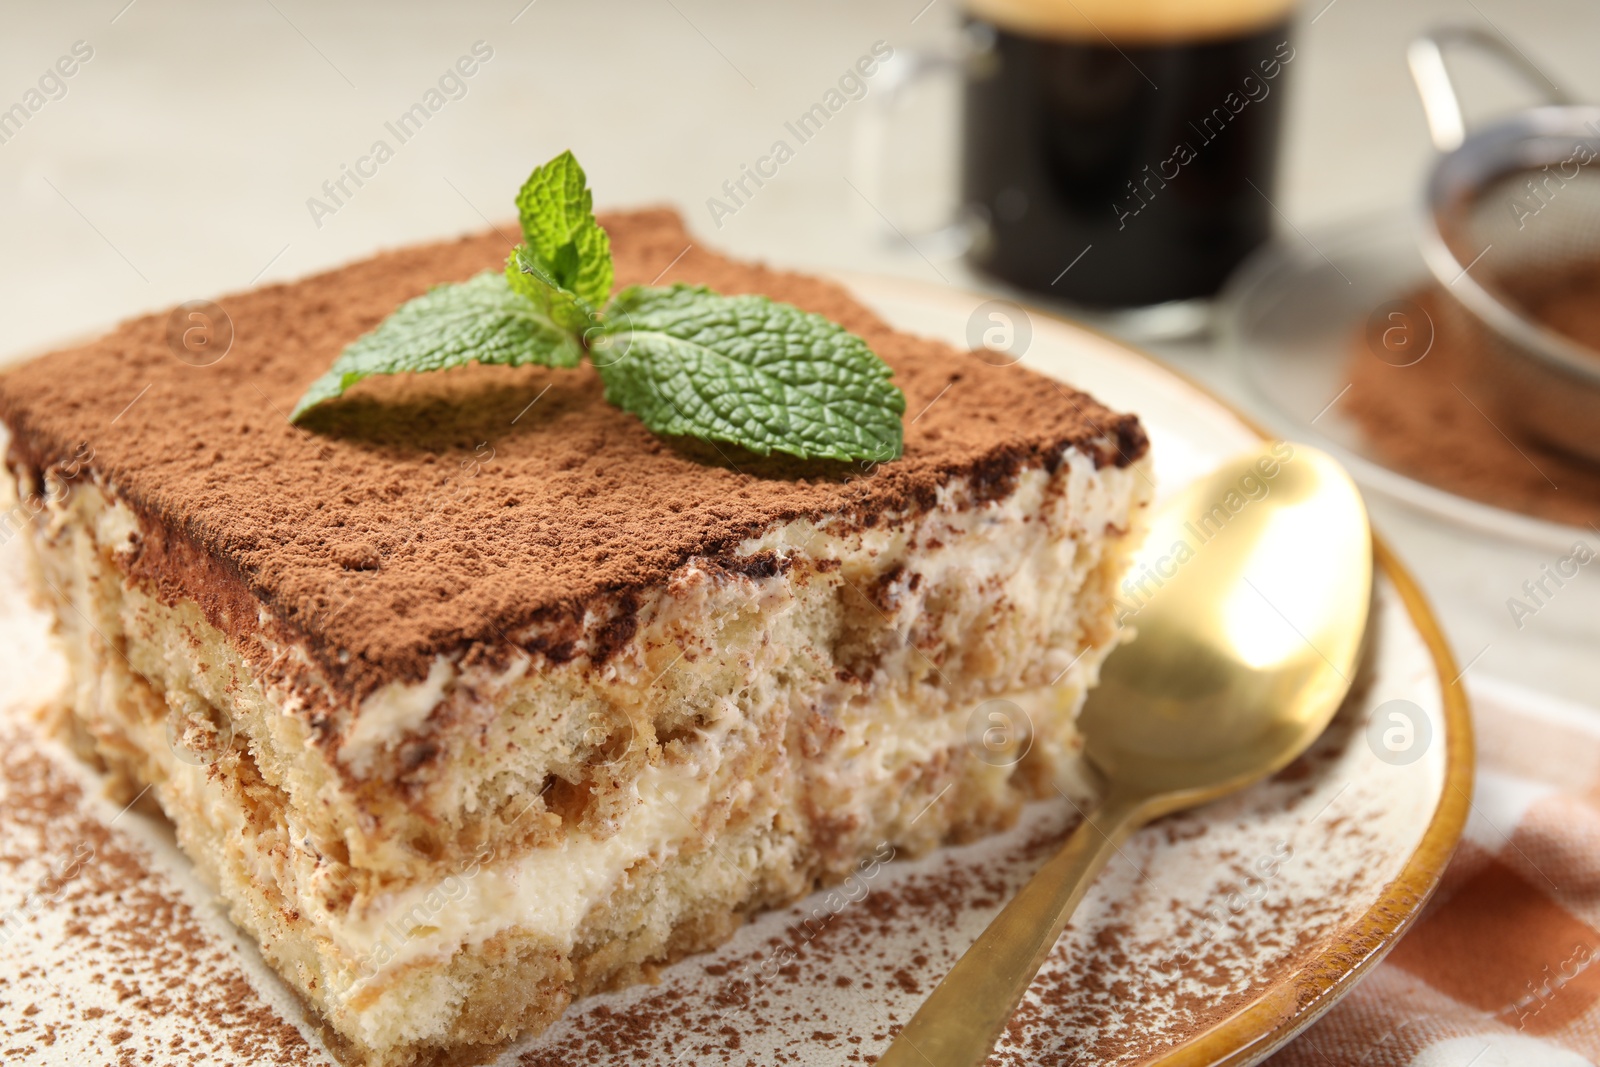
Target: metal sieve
1512	207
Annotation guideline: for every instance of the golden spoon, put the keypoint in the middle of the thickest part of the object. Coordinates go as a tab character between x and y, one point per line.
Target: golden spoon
1249	600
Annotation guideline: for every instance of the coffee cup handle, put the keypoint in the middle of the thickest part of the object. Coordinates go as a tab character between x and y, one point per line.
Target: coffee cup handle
1440	104
868	173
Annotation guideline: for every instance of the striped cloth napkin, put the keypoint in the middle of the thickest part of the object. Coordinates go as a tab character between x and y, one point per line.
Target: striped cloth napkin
1503	967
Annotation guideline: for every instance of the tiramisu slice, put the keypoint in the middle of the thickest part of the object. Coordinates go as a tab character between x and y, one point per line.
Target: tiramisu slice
474	695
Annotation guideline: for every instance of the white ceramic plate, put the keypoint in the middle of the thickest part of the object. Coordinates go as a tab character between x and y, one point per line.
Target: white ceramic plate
1215	937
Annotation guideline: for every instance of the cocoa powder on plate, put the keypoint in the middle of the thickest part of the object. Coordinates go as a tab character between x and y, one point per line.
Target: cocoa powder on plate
1434	421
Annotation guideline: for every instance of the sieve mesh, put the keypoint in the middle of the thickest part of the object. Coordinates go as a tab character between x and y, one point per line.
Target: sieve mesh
1525	223
1528	228
1513	240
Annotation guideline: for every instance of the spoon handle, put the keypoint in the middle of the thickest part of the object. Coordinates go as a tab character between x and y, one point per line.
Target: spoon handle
959	1022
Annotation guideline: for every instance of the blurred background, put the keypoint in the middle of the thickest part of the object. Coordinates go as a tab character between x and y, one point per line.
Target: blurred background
187	152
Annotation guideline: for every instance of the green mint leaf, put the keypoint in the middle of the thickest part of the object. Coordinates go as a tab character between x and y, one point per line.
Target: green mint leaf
481	320
567	244
566	266
559	304
742	369
750	371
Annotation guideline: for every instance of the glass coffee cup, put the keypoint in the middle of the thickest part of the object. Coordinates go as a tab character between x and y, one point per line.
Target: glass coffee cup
1116	154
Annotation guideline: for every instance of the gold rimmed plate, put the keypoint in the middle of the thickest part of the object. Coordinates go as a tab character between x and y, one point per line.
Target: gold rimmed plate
1213	937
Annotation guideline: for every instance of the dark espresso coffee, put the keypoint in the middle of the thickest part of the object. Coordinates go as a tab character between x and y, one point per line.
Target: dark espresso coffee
1122	154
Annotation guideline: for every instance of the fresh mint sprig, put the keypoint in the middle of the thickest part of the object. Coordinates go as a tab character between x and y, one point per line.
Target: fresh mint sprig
745	370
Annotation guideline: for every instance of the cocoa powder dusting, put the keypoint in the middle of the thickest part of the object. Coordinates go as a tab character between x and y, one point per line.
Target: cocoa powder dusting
1428	421
1096	1007
1122	987
421	514
142	958
1119	995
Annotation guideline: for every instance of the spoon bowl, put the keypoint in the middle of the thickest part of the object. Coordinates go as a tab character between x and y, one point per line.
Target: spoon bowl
1248	606
1248	601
